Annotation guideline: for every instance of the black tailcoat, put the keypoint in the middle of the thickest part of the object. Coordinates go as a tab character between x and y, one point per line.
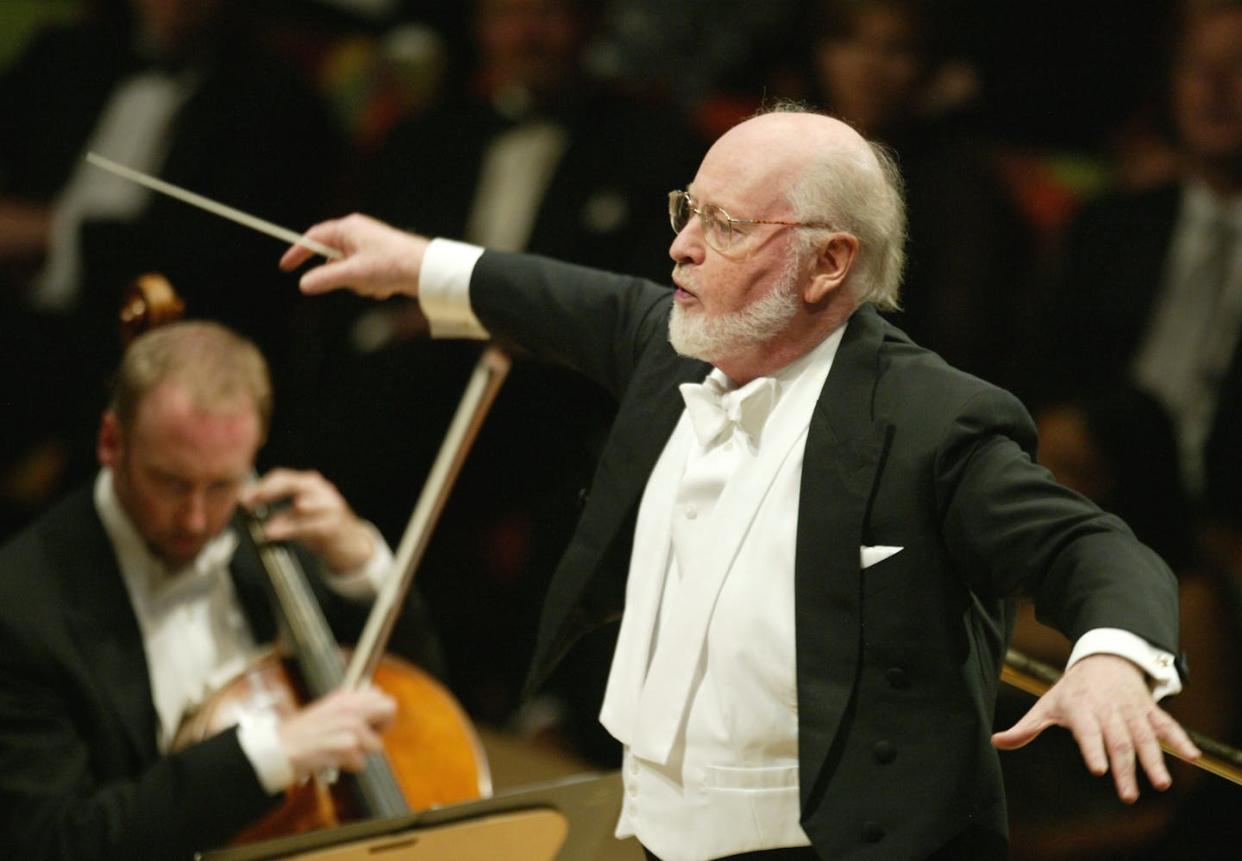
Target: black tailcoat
898	665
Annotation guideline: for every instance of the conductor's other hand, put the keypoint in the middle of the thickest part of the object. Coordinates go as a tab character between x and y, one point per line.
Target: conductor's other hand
336	732
378	260
1104	701
317	516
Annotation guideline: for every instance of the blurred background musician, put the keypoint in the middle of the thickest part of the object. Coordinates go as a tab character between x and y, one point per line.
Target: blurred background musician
1149	291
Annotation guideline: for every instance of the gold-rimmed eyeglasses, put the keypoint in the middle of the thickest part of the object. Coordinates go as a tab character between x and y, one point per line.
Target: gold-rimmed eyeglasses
717	224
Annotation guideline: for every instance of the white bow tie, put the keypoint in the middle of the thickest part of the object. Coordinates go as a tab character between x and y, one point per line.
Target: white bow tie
198	576
714	412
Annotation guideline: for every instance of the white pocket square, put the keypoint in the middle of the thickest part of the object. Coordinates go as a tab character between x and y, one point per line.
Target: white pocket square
871	555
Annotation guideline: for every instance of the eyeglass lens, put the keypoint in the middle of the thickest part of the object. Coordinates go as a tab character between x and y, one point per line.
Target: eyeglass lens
680	211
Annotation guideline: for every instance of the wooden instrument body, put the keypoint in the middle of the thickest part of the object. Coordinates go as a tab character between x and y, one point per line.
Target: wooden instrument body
432	748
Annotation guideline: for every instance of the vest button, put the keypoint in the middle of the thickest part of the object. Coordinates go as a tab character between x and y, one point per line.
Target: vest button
872	832
897	678
884	752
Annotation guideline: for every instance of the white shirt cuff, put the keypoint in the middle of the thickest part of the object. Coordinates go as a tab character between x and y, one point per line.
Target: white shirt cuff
444	289
256	733
1158	664
364	582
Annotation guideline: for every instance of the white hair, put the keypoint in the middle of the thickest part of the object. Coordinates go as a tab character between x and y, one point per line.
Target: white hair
861	196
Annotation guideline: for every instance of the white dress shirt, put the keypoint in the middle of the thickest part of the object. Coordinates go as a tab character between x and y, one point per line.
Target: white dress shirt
194	632
702	691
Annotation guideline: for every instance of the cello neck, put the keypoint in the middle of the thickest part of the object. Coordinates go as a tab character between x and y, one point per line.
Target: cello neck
301	619
319	662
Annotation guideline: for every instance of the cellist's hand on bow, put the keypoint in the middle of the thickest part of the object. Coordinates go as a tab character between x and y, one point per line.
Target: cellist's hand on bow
378	260
317	516
336	732
1104	701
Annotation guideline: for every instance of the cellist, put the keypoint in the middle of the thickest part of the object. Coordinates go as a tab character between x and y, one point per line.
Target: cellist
123	606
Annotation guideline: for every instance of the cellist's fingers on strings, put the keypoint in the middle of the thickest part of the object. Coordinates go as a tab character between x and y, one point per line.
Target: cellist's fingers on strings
305	494
337	731
316	515
379	261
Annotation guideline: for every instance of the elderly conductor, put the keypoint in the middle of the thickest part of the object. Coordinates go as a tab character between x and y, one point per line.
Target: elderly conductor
811	528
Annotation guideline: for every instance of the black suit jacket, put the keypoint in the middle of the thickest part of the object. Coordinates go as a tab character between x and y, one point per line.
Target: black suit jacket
898	665
1114	264
80	775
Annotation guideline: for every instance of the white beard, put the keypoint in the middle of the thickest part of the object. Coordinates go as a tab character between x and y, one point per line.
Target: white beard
712	339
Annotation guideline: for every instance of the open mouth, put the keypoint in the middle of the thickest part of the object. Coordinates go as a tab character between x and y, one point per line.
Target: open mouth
682	293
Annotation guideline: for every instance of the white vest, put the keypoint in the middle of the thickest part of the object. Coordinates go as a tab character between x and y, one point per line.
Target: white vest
703	688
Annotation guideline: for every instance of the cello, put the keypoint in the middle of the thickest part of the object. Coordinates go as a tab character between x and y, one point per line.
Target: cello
431	754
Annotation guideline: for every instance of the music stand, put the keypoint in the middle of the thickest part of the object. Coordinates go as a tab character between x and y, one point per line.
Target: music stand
561	820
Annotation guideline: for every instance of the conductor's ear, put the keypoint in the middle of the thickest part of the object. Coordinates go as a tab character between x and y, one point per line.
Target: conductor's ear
836	258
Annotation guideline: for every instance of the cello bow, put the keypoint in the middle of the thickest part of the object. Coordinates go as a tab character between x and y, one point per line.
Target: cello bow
481	390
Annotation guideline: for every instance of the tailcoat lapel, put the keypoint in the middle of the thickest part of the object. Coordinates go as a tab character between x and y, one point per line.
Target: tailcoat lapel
844	451
103	624
646	418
